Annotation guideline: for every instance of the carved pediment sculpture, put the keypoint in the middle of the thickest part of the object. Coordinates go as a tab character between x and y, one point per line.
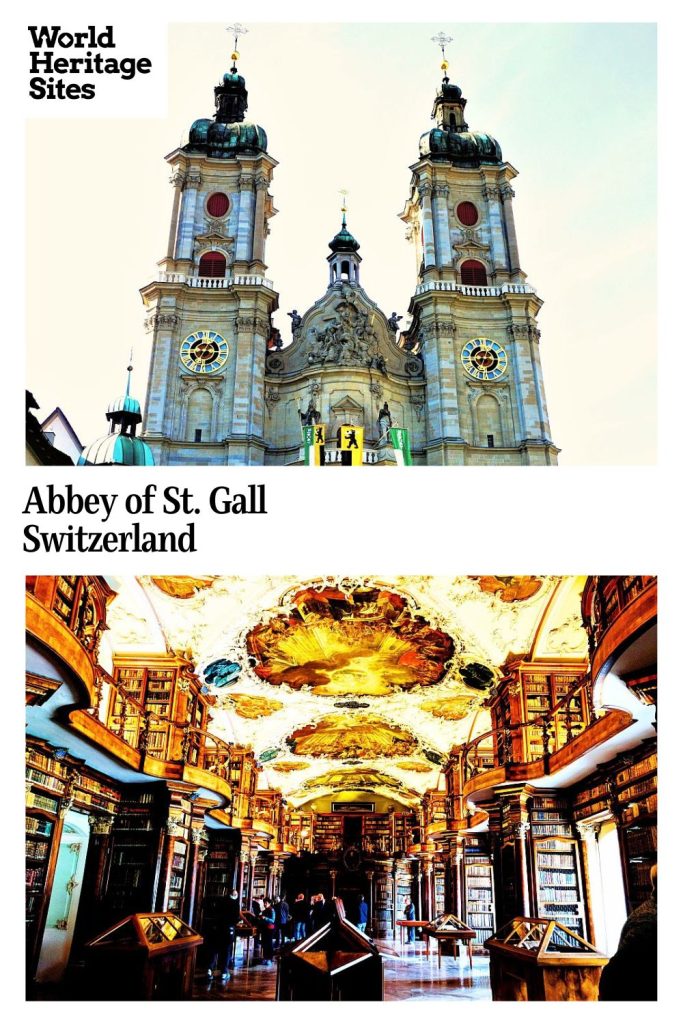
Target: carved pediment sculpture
350	339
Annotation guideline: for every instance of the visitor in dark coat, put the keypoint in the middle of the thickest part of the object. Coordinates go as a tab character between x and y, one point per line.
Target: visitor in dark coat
631	974
362	914
300	915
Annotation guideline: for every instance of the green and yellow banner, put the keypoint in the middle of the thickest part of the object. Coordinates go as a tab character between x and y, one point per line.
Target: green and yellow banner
351	444
400	442
314	444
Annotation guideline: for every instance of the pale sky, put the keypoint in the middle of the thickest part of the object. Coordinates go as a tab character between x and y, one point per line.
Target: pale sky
573	107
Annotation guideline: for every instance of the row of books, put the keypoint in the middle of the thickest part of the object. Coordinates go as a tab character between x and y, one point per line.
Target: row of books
551	829
35	876
639	789
48	781
557	877
36	850
635	771
38	760
555	860
45	803
39	826
548	894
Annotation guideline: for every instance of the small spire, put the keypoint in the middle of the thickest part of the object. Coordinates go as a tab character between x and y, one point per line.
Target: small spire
343	193
130	370
236	31
442	40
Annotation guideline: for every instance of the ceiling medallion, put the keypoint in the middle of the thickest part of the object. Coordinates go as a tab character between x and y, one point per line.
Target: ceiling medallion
366	641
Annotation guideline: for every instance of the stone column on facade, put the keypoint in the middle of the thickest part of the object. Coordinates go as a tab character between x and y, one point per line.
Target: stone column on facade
519	386
248	400
177	179
425	192
259	247
245	221
507	195
188	211
534	340
163	348
498	254
444	256
443	413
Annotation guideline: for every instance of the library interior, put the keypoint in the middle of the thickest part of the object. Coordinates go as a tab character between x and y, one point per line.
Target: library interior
273	788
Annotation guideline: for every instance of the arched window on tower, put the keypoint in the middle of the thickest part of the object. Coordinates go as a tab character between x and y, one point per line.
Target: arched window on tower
199	413
489	422
345	271
473	272
212	264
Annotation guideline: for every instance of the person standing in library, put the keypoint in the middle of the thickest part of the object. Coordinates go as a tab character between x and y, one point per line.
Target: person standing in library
300	913
409	915
362	913
221	934
282	919
631	974
267	927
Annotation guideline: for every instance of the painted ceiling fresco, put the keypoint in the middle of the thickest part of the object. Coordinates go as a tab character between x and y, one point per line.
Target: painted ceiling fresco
366	642
348	683
350	736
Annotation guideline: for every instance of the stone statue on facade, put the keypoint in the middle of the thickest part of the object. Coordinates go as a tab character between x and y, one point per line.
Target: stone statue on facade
393	322
384	421
296	321
311	416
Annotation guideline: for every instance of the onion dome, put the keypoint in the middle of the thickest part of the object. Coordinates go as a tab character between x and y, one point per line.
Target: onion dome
462	149
344	241
228	133
120	447
117	450
452	141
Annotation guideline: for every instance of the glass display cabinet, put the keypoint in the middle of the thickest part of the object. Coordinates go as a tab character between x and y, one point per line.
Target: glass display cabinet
144	956
338	962
537	959
449	931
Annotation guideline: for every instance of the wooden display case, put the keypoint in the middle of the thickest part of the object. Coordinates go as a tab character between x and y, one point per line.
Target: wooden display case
449	932
338	962
535	959
144	956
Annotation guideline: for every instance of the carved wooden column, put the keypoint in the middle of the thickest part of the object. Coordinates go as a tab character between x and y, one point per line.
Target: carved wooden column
522	865
333	882
370	877
588	833
197	838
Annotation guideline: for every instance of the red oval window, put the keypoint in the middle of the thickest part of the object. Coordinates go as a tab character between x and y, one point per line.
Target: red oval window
212	264
467	214
218	204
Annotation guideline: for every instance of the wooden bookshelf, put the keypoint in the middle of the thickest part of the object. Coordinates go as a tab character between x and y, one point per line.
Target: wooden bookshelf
635	787
135	851
159	694
46	780
329	830
478	884
528	692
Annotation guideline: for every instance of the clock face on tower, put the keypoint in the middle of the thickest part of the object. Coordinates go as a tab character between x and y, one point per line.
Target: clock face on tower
484	359
203	352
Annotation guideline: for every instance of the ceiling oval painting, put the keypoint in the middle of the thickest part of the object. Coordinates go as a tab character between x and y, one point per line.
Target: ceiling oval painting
366	642
347	736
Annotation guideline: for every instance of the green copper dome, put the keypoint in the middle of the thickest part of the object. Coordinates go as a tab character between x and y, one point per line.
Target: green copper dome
344	241
117	450
125	404
228	134
463	149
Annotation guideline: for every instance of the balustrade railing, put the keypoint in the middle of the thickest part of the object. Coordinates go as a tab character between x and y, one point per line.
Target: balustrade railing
215	282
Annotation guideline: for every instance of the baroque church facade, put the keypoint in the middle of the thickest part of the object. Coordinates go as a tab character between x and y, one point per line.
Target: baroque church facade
464	379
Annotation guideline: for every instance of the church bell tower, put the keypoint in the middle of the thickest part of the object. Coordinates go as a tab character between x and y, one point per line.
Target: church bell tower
210	308
474	313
